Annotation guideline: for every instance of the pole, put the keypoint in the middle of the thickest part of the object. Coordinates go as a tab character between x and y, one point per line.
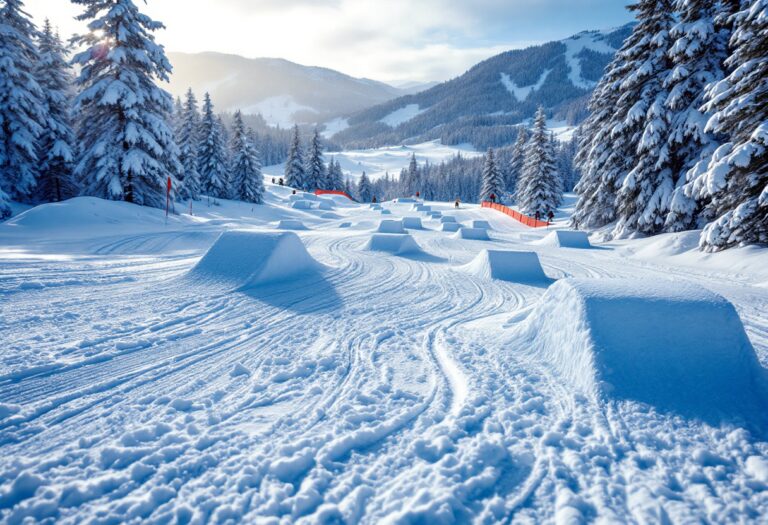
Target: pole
167	199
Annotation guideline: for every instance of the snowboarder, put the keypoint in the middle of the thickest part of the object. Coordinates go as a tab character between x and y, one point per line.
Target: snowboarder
374	199
294	192
538	216
280	181
550	216
457	203
418	194
492	196
273	180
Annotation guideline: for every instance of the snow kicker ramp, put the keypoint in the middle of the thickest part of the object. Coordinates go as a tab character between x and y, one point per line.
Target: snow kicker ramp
507	266
673	345
243	259
566	239
475	234
391	226
396	244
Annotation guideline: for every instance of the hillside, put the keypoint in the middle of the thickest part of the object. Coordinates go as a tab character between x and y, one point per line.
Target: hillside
482	105
282	91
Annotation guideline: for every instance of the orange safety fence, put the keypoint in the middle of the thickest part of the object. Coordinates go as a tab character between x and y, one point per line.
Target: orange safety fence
333	192
524	219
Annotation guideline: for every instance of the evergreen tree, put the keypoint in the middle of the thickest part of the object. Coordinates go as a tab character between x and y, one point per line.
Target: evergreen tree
364	190
493	183
734	183
412	177
127	145
57	141
335	176
295	176
22	115
698	53
348	188
187	137
539	189
211	157
620	109
247	181
315	169
516	161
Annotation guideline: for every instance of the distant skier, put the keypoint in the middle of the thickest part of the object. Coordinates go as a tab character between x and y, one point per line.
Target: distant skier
457	203
538	216
280	181
550	216
374	199
273	180
294	192
418	194
492	197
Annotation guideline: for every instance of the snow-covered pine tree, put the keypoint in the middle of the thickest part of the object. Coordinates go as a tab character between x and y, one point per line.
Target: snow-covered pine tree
211	156
364	190
348	189
127	148
698	53
335	176
618	109
412	177
516	161
735	181
646	191
245	173
22	115
539	189
56	180
492	181
295	176
315	169
187	137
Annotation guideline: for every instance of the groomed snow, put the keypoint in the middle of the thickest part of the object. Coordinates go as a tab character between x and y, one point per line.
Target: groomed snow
391	226
523	92
402	115
377	389
675	346
412	223
477	234
506	265
394	243
566	239
243	259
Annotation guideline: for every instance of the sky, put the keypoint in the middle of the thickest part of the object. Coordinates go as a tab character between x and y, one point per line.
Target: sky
395	41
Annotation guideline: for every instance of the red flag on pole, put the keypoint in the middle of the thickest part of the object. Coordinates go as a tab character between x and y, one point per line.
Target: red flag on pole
168	197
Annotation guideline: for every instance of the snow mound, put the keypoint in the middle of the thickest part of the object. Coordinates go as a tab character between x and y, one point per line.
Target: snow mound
447	218
302	205
391	226
485	225
243	259
291	224
451	226
396	244
405	200
302	196
506	266
385	212
345	225
435	214
329	215
673	345
412	223
422	208
566	239
476	234
326	205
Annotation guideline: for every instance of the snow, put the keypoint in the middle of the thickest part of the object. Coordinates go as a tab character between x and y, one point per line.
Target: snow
476	234
451	227
412	223
402	115
394	243
506	265
574	46
566	239
388	226
675	346
279	110
523	92
334	126
376	162
242	259
291	224
154	371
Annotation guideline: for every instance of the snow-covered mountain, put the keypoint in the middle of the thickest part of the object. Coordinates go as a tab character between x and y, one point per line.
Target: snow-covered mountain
282	91
481	106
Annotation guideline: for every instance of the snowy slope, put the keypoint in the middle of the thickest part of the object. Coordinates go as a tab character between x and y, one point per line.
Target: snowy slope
380	388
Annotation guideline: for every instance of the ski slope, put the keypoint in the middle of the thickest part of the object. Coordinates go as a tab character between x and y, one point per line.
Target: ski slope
369	387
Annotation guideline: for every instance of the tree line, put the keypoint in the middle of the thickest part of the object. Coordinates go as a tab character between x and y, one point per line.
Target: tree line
677	137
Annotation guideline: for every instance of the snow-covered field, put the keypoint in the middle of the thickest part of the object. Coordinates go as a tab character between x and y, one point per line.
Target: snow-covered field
376	162
140	380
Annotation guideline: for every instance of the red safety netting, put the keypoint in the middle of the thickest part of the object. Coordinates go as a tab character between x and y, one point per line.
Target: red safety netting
524	219
333	192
